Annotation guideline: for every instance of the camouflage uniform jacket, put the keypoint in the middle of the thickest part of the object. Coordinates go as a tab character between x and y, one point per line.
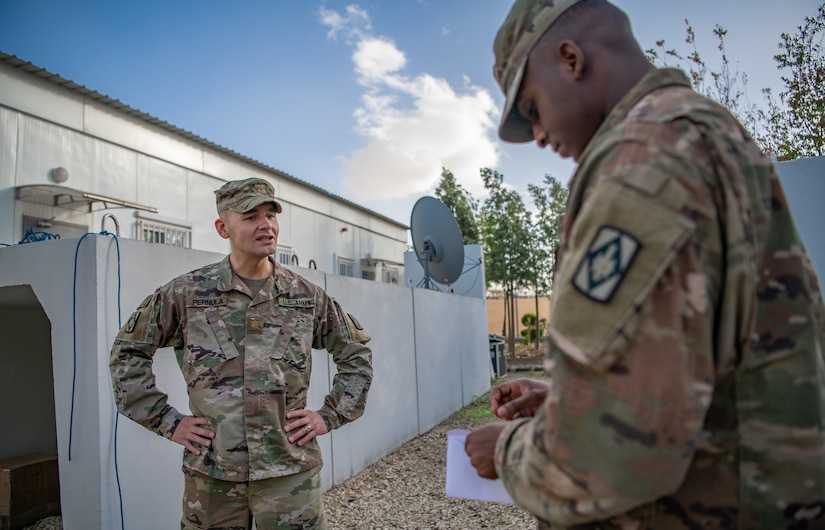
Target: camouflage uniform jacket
246	360
686	356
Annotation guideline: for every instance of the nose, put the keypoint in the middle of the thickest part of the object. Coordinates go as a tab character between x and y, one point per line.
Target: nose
540	136
265	223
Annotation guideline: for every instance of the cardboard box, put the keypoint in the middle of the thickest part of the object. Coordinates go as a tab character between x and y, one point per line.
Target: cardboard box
29	490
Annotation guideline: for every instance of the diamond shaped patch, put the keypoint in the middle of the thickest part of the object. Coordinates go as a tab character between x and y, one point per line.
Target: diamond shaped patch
606	262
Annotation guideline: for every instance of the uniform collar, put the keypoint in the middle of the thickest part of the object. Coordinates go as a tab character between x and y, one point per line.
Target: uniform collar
653	80
228	280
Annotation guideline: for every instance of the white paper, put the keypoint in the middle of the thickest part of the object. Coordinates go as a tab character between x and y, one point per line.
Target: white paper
462	478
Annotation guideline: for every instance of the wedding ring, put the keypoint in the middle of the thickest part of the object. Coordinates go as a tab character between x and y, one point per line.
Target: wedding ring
307	428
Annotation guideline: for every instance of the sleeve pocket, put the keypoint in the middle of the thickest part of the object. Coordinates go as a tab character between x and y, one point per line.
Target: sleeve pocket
620	245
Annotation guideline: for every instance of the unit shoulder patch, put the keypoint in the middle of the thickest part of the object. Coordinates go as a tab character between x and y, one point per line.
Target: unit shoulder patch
604	265
132	322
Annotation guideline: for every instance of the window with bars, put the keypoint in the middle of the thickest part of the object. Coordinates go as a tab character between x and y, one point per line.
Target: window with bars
346	267
163	233
284	256
390	275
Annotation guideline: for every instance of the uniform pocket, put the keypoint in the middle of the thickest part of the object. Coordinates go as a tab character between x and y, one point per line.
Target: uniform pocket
620	246
294	345
208	340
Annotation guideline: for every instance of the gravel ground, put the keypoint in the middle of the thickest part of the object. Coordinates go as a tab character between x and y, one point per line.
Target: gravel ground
405	489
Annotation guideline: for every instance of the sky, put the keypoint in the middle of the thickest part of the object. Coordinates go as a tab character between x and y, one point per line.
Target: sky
367	99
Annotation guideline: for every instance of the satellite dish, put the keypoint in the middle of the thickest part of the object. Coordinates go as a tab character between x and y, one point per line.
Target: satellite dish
437	241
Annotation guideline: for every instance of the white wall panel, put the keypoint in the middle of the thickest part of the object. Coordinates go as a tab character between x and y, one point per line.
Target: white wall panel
114	171
426	364
8	235
8	146
201	212
35	96
804	184
298	194
349	215
285	224
225	168
323	243
438	358
113	153
43	146
134	133
162	185
390	418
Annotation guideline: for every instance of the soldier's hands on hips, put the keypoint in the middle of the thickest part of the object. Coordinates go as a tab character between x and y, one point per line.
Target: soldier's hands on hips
519	398
480	446
189	431
307	425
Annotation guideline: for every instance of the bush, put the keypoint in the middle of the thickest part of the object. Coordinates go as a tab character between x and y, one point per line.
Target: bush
529	320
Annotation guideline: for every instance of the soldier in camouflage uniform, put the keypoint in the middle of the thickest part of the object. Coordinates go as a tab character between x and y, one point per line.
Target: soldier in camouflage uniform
687	331
243	332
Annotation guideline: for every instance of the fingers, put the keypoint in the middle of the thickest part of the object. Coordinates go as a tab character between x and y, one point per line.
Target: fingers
480	447
519	399
500	395
189	433
515	409
505	393
307	425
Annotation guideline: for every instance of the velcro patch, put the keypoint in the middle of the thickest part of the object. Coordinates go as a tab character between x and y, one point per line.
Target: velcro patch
620	245
299	302
132	322
211	301
355	322
603	266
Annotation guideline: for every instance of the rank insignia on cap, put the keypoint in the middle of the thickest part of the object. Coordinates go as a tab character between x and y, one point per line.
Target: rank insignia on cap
605	263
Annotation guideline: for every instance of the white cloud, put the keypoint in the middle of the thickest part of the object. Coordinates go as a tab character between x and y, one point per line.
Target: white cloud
352	23
376	59
414	124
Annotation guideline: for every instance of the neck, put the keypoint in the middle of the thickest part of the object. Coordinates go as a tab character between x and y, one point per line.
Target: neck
627	76
250	268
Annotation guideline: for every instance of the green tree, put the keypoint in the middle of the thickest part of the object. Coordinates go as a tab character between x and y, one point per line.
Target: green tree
506	236
534	327
550	201
723	84
461	204
788	128
796	125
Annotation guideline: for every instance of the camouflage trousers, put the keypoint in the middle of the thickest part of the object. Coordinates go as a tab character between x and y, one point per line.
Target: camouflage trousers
293	502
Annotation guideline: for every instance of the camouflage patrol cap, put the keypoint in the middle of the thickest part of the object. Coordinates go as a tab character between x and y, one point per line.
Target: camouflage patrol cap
527	22
243	195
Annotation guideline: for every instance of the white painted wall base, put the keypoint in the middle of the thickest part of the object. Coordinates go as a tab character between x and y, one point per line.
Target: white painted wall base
430	352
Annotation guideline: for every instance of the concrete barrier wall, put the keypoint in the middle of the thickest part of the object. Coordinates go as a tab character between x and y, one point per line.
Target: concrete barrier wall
430	358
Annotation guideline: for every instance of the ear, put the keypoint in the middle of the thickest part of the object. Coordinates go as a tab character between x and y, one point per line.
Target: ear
571	58
220	226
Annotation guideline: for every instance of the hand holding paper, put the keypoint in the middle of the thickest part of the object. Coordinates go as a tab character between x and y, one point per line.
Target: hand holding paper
462	478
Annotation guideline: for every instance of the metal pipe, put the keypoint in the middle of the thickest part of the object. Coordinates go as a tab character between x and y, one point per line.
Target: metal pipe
103	223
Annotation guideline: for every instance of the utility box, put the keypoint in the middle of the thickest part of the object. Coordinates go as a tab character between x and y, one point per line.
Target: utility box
29	490
497	355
